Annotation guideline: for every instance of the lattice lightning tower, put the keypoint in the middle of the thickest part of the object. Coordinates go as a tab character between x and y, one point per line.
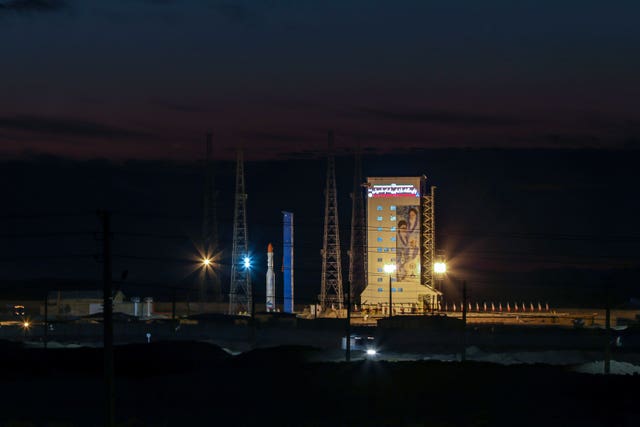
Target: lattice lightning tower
358	248
331	285
210	245
240	290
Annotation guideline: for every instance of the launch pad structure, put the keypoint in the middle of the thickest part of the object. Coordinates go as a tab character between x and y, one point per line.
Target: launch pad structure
401	246
208	279
392	254
331	294
240	292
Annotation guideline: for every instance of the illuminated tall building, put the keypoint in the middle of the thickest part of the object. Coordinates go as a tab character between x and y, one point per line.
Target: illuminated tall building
400	233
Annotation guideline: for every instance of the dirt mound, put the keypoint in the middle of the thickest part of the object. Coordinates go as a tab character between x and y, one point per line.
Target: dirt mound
281	355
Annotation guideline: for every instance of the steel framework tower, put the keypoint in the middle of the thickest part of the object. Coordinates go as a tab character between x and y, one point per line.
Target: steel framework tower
240	290
428	237
358	248
210	244
331	285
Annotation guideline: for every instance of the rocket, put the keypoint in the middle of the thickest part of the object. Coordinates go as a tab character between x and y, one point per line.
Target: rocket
271	281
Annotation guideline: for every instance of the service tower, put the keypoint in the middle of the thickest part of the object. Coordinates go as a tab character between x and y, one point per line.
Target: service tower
400	233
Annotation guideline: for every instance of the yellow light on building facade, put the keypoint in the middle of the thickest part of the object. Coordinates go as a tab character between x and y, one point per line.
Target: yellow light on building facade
440	267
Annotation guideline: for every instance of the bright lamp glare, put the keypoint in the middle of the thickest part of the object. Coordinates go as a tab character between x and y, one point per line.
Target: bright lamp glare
371	352
389	268
440	267
206	261
247	262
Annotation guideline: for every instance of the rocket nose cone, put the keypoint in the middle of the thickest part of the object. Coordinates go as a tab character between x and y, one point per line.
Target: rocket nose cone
270	248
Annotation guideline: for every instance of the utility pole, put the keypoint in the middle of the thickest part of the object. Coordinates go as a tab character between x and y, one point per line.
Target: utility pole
107	311
607	348
464	321
173	304
210	244
252	331
358	248
46	322
253	300
390	298
348	353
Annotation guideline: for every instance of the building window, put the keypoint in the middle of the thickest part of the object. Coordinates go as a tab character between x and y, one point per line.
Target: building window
393	239
379	269
379	228
379	208
391	260
392	228
393	289
393	218
379	279
379	249
379	259
380	289
400	289
393	249
379	218
393	208
386	249
379	239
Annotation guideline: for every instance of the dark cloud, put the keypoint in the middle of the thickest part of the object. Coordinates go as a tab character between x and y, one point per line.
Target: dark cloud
630	125
631	144
64	127
381	137
562	140
438	117
303	155
23	6
274	137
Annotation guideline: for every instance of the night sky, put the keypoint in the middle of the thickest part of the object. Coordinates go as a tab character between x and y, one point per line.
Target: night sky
524	114
143	79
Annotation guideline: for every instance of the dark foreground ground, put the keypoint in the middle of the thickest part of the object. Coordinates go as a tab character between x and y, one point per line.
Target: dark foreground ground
193	384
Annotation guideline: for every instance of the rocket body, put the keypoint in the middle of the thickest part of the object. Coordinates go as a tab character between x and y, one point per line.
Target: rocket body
271	281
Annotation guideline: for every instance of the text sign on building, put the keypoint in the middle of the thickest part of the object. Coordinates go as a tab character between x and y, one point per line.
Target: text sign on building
393	190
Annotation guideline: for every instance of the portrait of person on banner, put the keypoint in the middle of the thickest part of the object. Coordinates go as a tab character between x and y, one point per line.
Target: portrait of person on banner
407	243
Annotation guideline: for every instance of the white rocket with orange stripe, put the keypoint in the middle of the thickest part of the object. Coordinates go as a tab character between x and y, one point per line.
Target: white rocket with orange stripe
271	281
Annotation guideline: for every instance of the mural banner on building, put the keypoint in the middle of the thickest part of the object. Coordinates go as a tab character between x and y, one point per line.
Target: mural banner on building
408	243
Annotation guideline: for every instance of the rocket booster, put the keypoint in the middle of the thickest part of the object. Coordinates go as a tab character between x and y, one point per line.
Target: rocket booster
271	281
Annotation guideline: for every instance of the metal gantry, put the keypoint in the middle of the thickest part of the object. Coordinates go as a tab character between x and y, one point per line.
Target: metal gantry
210	245
240	289
331	285
428	237
358	244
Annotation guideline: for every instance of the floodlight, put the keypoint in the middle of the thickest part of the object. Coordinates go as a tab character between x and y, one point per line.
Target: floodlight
440	267
389	268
